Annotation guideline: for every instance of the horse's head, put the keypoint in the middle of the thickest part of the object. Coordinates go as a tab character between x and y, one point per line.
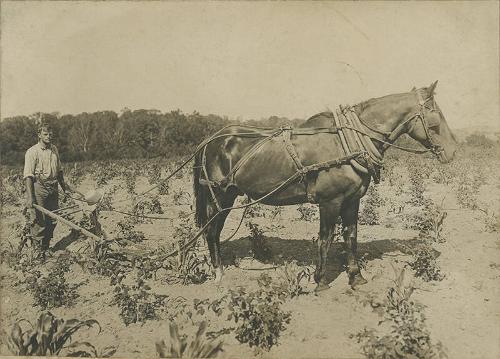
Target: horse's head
428	126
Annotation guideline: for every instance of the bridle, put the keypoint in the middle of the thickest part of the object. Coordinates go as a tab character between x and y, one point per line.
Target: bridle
418	116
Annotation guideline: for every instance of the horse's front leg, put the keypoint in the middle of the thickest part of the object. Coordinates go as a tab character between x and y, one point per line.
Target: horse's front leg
349	216
328	214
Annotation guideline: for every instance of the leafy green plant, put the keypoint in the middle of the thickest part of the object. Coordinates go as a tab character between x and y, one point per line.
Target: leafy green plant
179	346
50	336
52	290
409	336
425	265
292	275
258	314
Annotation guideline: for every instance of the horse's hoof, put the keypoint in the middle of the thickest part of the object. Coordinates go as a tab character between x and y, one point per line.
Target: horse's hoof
321	287
356	280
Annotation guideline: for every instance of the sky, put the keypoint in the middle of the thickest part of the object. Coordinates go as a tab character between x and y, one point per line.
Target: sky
247	59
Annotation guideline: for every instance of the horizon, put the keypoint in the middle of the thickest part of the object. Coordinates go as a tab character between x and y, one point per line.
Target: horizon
247	60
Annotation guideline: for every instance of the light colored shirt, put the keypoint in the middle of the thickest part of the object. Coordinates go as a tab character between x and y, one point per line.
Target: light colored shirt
41	161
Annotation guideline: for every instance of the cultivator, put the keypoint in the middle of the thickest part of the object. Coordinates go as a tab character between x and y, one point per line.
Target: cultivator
62	215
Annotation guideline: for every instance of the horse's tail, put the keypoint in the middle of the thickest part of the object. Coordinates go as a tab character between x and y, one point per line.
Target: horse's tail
200	192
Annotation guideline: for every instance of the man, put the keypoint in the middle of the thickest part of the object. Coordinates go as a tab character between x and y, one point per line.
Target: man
42	174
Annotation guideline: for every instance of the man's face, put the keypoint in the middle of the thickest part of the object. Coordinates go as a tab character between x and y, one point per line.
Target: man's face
45	136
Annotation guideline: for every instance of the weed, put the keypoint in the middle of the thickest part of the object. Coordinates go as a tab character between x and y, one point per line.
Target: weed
180	347
51	336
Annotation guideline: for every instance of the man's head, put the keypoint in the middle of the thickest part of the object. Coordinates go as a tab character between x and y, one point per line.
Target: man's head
45	134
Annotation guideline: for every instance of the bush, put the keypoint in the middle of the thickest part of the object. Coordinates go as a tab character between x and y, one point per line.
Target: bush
258	314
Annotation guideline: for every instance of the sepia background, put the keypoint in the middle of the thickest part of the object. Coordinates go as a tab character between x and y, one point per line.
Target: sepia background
247	59
131	89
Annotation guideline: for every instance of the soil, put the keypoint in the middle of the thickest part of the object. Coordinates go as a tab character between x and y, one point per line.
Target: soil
462	311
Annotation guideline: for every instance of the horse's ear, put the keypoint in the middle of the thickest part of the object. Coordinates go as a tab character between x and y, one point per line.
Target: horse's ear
431	88
413	89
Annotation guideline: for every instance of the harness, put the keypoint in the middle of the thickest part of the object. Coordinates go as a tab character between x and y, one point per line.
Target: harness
358	147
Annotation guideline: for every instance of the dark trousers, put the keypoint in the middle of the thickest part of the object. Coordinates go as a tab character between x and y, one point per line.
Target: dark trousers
42	229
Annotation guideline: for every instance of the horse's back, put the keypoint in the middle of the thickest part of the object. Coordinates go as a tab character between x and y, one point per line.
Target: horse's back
322	119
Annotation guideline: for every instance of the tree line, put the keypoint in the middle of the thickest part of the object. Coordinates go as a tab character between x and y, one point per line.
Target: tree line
109	135
133	134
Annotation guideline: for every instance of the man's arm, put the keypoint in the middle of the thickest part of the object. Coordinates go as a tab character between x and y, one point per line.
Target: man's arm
30	192
29	173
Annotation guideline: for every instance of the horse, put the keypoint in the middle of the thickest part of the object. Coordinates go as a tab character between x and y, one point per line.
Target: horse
330	161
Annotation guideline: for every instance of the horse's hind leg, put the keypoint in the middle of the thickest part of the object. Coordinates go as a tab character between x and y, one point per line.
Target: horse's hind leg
349	215
214	229
329	213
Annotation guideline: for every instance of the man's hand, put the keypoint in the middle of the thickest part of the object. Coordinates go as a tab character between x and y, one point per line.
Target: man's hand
70	190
